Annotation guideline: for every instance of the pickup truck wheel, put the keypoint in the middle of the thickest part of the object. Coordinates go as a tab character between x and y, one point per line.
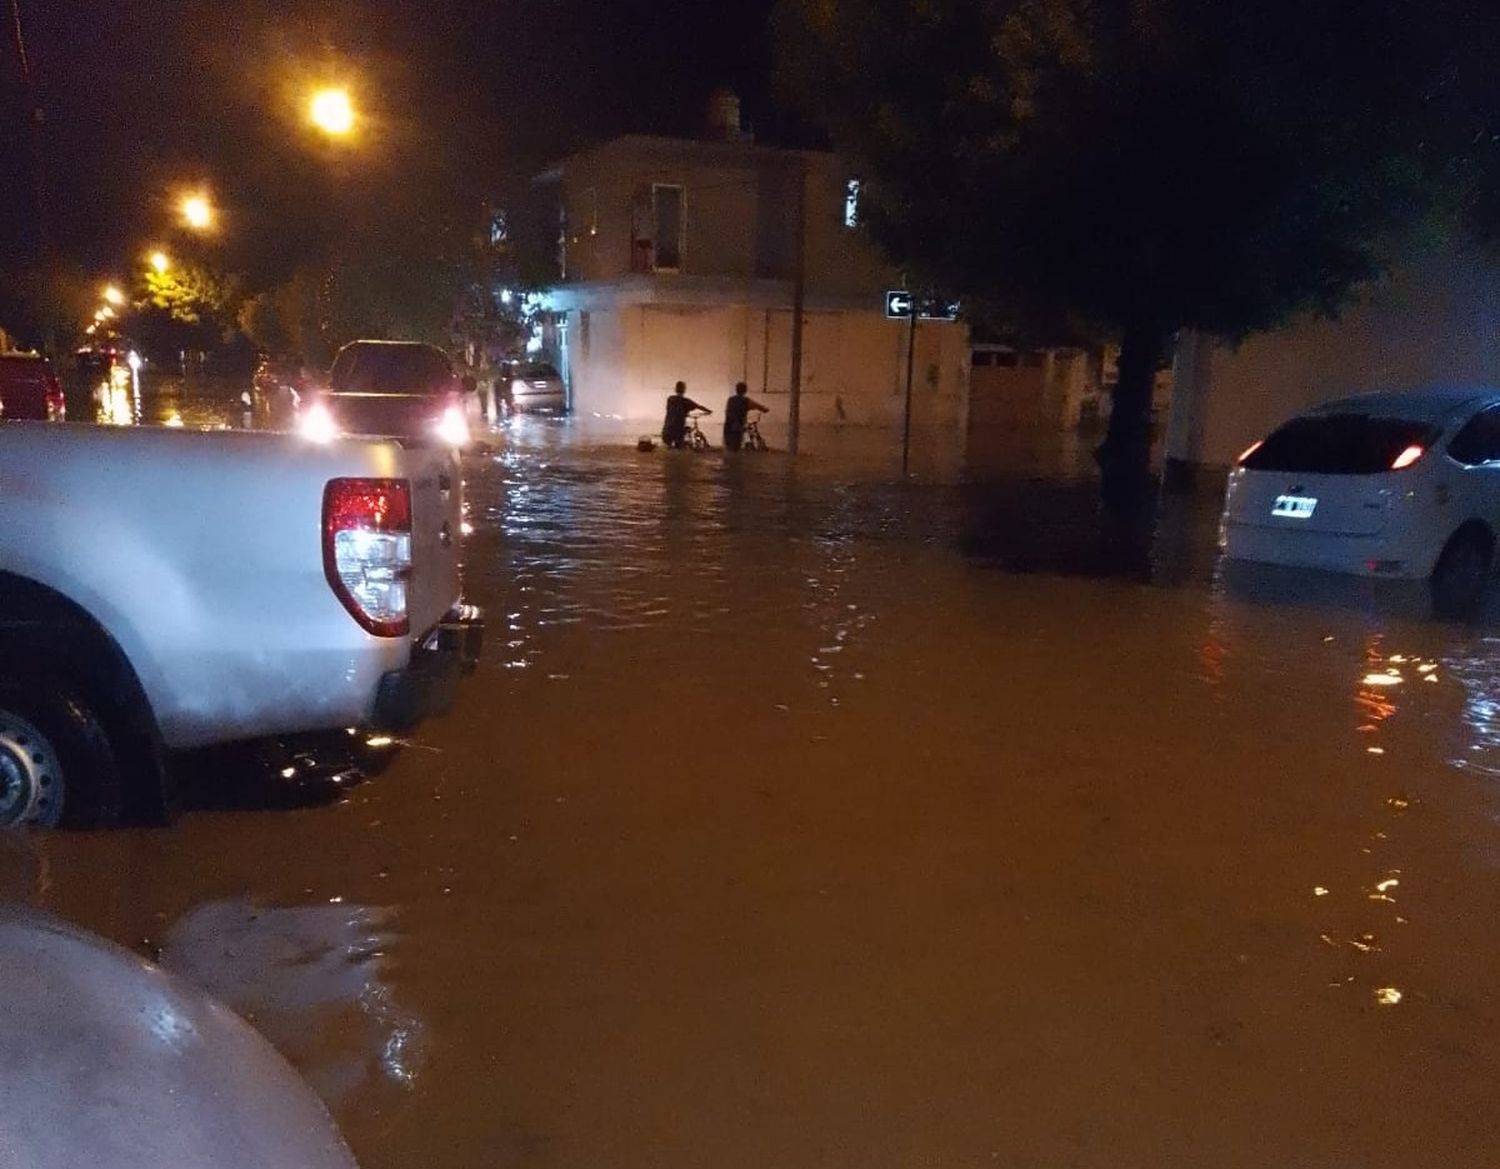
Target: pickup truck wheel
56	765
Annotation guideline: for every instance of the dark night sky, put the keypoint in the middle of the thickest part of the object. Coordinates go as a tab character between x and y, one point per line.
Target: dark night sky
141	96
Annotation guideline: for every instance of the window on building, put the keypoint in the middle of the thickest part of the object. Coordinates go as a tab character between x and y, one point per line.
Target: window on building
852	189
1008	358
666	202
984	357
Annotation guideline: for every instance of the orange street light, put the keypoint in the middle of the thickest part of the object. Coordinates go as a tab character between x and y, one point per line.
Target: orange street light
159	261
332	112
197	212
113	295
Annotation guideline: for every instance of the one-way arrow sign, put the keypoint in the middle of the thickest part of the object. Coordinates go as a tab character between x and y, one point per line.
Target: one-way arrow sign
898	306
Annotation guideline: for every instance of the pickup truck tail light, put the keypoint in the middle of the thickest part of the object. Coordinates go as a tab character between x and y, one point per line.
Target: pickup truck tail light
367	550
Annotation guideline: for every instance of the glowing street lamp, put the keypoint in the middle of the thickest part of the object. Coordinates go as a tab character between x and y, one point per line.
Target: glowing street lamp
159	261
332	112
197	212
106	313
113	295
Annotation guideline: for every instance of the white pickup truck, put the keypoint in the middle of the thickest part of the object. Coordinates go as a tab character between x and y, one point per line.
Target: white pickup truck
164	590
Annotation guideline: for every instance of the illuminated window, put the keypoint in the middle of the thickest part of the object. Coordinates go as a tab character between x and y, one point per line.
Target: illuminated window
666	205
499	228
851	202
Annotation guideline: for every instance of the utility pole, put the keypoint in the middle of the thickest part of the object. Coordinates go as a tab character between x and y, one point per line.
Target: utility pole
799	298
911	357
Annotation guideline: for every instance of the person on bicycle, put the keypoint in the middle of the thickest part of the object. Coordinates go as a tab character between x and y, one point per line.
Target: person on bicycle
679	405
737	414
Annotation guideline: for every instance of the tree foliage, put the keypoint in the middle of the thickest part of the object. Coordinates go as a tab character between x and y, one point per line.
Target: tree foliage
1133	167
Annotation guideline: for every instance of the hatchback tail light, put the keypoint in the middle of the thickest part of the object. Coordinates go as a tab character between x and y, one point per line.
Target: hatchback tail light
367	550
1407	457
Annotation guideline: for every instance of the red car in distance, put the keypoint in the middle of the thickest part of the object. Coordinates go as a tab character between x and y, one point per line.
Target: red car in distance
29	389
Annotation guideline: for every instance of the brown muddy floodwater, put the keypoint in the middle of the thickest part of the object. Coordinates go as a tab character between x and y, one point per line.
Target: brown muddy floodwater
795	822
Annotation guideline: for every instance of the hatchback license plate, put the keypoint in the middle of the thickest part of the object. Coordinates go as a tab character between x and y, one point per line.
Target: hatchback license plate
1294	507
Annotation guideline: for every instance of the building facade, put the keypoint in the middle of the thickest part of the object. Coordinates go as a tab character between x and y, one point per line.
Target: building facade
678	261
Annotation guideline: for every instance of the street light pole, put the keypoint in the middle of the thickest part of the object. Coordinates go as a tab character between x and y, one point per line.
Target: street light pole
799	299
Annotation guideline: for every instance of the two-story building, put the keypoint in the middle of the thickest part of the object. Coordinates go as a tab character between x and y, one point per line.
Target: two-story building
678	260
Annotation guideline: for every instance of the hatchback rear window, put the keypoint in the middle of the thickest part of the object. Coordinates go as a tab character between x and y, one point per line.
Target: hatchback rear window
1339	444
537	370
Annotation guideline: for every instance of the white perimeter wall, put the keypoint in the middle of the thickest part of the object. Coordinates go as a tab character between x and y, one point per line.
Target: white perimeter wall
625	359
1436	322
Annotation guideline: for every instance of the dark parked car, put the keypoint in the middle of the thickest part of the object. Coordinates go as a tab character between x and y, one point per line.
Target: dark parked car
29	389
398	389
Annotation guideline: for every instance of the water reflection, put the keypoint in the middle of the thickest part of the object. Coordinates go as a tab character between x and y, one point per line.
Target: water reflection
312	979
117	398
1475	666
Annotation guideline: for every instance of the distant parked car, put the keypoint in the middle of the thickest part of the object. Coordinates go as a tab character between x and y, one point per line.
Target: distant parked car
29	389
536	385
1398	485
395	389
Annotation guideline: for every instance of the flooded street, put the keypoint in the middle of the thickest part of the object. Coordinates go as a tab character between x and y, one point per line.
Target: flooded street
792	821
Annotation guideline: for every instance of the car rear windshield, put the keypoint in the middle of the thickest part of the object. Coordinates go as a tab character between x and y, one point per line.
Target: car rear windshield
391	369
1339	444
538	370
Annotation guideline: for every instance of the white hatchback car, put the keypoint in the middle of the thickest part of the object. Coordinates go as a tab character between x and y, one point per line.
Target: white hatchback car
1399	485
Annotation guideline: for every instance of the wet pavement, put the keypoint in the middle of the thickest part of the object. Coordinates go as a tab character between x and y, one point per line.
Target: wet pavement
792	820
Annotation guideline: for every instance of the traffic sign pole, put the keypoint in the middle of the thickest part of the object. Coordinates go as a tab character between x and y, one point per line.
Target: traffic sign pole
911	357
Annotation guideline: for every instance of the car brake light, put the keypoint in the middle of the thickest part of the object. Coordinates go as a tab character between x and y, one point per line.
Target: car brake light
1407	457
57	406
367	550
1249	450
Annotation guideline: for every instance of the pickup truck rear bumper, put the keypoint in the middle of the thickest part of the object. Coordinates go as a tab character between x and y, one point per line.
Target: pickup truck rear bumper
429	683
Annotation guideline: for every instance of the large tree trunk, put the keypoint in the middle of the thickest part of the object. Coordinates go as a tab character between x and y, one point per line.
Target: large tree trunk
1125	455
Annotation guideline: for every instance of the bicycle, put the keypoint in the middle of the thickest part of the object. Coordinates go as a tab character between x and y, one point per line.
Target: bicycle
753	440
695	439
